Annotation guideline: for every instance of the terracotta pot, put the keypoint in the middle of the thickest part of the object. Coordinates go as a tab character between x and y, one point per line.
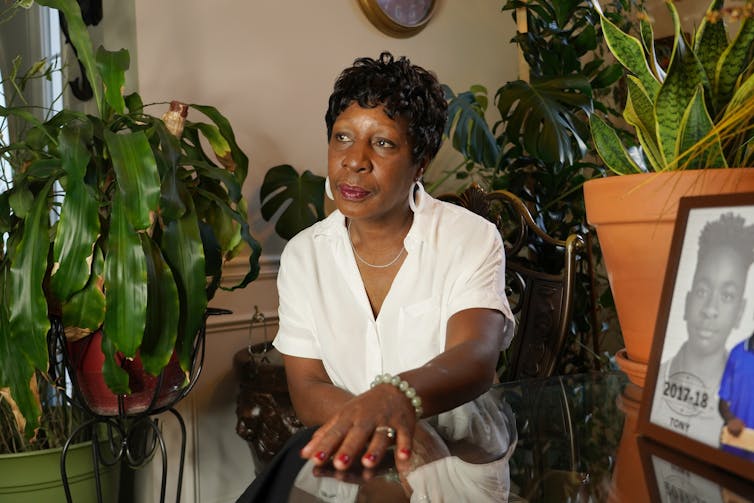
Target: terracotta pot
634	216
87	359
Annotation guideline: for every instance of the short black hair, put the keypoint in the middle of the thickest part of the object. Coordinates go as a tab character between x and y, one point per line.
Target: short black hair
731	231
404	90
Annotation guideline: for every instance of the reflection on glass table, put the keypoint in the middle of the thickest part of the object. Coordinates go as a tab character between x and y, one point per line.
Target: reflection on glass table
560	439
569	429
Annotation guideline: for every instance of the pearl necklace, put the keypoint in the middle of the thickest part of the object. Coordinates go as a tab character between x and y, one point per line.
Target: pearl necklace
356	254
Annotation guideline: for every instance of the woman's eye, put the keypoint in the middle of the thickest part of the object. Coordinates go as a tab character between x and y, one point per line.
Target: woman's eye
383	143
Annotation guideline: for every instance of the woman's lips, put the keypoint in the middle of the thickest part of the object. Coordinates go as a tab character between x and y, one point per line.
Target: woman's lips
352	193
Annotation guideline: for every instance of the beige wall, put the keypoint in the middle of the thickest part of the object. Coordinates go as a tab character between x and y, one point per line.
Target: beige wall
269	66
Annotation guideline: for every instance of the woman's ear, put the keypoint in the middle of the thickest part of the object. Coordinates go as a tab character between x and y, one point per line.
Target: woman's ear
420	168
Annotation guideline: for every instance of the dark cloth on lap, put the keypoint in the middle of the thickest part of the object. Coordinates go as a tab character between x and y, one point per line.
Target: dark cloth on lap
276	480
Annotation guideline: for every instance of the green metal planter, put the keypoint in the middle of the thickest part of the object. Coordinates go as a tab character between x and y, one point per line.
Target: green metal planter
34	477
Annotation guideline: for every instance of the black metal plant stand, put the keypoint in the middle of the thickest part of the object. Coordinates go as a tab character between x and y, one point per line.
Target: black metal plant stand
130	438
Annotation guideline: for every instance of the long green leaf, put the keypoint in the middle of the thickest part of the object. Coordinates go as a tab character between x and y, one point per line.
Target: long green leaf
85	310
112	66
78	227
639	113
28	319
695	126
136	173
610	148
742	96
240	164
115	377
734	61
685	75
710	41
630	53
182	246
648	41
16	373
80	39
248	239
163	310
171	205
125	283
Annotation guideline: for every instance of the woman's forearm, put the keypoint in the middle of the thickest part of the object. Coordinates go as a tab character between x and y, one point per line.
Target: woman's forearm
316	402
453	378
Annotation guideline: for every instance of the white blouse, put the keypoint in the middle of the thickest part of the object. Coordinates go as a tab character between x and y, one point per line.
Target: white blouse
455	261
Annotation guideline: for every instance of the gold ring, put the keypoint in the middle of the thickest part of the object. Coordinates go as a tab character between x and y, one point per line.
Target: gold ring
389	432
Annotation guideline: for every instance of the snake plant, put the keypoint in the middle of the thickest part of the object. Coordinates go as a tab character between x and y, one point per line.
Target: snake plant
147	220
698	113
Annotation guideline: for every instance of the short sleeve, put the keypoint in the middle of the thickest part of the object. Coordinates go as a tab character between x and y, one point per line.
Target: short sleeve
481	282
296	333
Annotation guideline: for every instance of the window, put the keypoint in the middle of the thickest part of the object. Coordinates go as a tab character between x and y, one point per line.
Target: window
43	40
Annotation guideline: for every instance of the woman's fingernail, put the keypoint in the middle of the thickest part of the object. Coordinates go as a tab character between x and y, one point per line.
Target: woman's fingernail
404	452
371	457
344	458
321	455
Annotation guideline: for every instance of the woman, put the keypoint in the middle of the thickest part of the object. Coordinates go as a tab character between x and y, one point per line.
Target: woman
392	283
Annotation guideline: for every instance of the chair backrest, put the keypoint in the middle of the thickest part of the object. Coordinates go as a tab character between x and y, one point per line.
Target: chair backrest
541	296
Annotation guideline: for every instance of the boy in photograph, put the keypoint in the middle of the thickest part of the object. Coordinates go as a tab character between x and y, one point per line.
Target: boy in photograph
737	400
686	394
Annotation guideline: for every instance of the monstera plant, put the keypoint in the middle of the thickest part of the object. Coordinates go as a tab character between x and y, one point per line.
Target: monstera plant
118	223
301	197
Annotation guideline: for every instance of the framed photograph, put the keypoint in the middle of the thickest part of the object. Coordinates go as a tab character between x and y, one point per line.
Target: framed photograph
699	392
398	18
671	476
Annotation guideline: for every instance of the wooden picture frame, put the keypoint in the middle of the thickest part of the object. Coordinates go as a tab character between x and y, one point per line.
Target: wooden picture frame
705	317
399	18
672	476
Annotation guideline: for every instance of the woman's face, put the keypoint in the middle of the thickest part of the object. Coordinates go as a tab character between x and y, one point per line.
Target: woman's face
715	303
369	163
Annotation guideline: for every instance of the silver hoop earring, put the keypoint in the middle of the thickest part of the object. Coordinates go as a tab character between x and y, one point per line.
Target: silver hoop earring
328	189
417	191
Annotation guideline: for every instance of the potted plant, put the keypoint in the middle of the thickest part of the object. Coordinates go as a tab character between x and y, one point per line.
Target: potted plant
31	467
539	146
133	251
694	115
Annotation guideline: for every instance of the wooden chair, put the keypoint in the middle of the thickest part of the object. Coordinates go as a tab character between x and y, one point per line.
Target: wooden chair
541	296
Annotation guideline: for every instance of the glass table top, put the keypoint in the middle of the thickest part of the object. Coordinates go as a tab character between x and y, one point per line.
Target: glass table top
561	439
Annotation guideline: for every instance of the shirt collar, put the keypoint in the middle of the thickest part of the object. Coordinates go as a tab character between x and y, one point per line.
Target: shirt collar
334	225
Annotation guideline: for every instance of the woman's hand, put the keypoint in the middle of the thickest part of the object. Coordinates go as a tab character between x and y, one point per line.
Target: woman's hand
359	429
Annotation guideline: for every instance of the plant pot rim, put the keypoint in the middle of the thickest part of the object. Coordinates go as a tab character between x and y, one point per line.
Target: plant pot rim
654	197
41	452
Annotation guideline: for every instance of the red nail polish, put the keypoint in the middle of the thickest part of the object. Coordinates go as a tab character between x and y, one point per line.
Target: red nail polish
370	457
321	455
344	458
405	452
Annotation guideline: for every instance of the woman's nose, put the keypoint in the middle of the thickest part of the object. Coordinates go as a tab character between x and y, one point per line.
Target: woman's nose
357	158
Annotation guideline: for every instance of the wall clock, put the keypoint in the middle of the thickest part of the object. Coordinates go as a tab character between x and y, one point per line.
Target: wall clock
398	18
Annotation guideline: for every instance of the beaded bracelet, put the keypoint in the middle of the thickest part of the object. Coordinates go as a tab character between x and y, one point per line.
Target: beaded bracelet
405	387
